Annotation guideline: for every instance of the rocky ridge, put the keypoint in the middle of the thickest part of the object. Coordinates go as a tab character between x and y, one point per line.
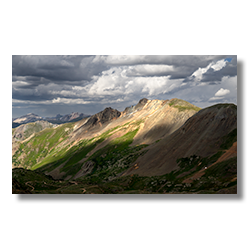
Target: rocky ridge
164	138
27	118
58	119
72	116
108	114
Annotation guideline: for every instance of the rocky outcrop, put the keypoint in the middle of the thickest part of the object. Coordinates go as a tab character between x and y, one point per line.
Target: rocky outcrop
141	103
135	108
108	114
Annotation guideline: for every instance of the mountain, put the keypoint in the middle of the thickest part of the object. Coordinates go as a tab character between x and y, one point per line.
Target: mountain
27	118
25	130
58	119
156	146
201	135
104	116
74	116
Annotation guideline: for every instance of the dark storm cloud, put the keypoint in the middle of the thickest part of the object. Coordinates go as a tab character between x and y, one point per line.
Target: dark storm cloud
52	82
57	68
48	77
32	81
183	71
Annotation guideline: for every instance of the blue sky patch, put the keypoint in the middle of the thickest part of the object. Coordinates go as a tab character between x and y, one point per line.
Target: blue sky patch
229	59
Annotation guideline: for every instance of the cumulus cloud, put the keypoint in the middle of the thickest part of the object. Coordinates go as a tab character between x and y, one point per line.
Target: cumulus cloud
215	66
69	101
91	82
222	92
228	94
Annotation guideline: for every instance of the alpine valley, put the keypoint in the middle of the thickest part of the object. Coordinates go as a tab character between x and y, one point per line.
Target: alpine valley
154	147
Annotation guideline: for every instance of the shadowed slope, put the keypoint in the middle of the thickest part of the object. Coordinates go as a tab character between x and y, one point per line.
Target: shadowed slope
200	135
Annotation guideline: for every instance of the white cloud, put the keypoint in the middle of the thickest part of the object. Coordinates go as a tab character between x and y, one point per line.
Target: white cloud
216	98
118	82
199	72
219	65
148	85
222	92
216	66
69	101
111	82
122	59
20	84
124	79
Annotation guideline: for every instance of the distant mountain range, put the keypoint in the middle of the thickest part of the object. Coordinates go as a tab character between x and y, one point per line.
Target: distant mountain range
156	146
58	119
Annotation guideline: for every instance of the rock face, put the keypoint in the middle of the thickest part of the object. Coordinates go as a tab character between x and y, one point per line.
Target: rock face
141	103
135	108
108	114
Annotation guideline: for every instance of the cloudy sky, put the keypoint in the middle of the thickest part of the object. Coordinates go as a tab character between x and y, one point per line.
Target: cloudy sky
48	85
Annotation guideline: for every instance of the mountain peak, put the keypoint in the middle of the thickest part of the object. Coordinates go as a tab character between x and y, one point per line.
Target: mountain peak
143	101
31	117
182	105
104	116
107	109
30	114
72	116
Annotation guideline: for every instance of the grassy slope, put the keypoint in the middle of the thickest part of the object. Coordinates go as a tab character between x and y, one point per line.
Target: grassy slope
46	151
32	152
117	149
183	105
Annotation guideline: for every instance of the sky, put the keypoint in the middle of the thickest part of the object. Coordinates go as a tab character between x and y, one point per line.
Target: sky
51	85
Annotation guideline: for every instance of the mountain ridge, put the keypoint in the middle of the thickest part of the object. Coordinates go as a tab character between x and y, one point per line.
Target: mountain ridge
58	119
194	140
154	138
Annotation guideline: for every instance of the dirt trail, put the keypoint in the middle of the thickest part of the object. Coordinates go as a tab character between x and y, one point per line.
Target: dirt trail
27	183
73	182
163	186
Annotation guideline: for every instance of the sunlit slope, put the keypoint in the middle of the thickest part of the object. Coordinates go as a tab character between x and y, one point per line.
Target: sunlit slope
108	142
